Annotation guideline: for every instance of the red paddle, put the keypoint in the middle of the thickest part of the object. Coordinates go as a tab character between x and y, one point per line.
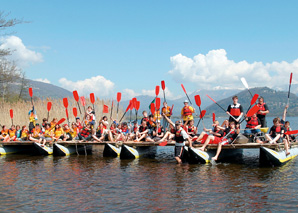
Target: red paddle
253	101
134	102
83	102
128	107
198	102
65	102
76	97
291	76
118	100
60	121
92	98
112	109
171	111
138	103
164	143
75	112
157	103
253	111
31	94
105	109
213	117
186	93
202	114
293	132
152	108
49	106
163	86
11	115
156	90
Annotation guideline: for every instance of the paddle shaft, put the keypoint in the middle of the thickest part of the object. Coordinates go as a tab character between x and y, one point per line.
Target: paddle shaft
79	108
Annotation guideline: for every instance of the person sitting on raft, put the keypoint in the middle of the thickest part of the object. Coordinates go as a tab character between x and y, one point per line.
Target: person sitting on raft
58	133
191	129
143	133
276	134
253	124
12	133
48	133
169	135
4	134
214	137
230	134
215	131
37	135
145	116
24	134
86	133
180	137
159	132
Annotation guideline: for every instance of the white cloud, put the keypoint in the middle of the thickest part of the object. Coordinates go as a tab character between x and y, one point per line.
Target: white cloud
20	53
215	70
100	86
128	94
43	80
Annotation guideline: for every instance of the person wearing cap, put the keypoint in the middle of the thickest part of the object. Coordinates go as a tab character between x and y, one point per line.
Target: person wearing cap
186	112
180	137
264	110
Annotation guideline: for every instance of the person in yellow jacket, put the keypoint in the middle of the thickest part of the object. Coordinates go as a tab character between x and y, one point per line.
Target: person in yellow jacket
186	112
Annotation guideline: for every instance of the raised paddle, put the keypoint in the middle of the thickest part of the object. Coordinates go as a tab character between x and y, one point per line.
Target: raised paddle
253	101
137	108
156	90
221	107
77	98
202	114
65	103
290	87
75	112
49	106
251	112
213	117
163	86
118	100
31	94
131	104
171	110
198	102
152	108
128	107
112	109
66	112
92	100
11	115
83	102
245	85
186	93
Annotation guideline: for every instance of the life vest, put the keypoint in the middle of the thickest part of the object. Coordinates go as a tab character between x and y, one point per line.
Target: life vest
99	132
191	129
24	133
253	122
4	132
142	128
235	110
35	132
12	133
152	124
53	124
262	108
135	129
187	111
159	130
47	133
85	132
178	136
157	115
145	119
58	132
173	131
166	111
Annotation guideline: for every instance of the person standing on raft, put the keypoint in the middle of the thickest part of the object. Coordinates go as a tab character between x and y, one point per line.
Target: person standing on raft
264	110
180	137
235	110
186	112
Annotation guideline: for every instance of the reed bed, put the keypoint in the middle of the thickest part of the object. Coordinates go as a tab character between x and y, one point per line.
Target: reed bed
22	108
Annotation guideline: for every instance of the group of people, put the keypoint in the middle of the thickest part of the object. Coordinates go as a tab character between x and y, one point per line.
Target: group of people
151	129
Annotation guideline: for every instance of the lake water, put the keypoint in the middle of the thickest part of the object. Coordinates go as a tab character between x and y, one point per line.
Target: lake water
96	184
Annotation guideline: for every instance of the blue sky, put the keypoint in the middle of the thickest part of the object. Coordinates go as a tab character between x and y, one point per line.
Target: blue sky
130	46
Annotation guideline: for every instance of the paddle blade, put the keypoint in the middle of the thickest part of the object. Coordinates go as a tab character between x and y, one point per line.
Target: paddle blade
66	112
152	108
105	109
163	85
254	99
83	101
65	102
92	98
171	111
138	105
49	106
202	114
291	132
156	90
11	113
291	78
75	112
213	117
244	83
134	103
131	104
118	96
198	100
76	95
183	88
253	110
211	98
30	92
128	107
164	143
60	121
157	103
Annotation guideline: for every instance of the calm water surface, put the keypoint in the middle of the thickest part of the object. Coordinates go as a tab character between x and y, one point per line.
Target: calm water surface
156	183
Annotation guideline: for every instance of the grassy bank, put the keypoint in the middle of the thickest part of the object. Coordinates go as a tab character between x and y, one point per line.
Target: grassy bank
21	109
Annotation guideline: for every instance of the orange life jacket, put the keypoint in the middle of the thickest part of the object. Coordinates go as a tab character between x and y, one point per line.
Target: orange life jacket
12	132
166	111
187	111
4	132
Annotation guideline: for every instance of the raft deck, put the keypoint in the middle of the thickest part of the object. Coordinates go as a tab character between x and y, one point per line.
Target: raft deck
143	144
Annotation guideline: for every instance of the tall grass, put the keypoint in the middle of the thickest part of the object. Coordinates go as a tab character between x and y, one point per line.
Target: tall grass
22	108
